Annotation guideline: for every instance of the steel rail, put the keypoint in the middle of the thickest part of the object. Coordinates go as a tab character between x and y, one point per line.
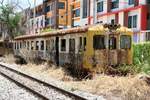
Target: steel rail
63	91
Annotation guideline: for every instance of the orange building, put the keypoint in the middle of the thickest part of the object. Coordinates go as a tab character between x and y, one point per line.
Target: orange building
56	13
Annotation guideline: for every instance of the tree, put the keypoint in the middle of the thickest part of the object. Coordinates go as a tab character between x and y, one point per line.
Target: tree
10	20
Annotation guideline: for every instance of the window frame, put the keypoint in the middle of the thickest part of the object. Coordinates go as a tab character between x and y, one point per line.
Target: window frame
42	47
99	42
63	45
101	6
123	46
61	5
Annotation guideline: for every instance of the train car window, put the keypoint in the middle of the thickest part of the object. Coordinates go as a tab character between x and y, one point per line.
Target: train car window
17	45
24	44
112	43
47	45
72	45
99	42
42	45
63	44
84	43
20	45
80	43
28	44
37	45
125	42
32	45
52	45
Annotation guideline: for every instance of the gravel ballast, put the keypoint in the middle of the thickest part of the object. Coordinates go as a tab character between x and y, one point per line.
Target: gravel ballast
46	91
10	91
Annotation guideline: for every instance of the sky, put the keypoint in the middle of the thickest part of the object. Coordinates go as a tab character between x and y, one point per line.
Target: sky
25	4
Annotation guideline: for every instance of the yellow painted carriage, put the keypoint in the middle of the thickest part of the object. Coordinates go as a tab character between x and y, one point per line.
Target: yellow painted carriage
107	45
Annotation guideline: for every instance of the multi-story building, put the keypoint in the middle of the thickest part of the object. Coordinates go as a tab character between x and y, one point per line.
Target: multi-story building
81	12
134	14
37	24
49	14
55	12
60	14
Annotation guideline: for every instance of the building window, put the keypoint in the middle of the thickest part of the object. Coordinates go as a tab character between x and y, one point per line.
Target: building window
50	21
125	42
85	8
42	45
47	9
99	42
115	4
132	21
100	6
77	13
63	44
61	5
131	2
51	6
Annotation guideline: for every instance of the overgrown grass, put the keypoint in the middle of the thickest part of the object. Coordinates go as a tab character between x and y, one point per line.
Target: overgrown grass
141	57
141	62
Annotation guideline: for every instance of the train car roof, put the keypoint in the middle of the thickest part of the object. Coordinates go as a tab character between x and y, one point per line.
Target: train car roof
54	33
72	31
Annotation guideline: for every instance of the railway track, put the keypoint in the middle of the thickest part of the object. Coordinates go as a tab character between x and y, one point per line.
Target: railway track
43	90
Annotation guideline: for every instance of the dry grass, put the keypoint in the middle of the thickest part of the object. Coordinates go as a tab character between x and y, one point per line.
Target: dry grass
9	59
126	88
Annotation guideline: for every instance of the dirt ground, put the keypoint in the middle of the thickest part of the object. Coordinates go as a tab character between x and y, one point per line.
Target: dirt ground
130	87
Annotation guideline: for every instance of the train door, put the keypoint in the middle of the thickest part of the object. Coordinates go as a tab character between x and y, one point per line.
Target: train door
125	50
99	45
113	50
57	51
72	51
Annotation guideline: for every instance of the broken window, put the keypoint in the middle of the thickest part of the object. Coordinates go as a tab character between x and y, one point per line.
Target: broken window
32	45
112	43
63	45
42	45
99	42
37	45
20	45
84	43
47	45
125	42
28	44
15	45
80	43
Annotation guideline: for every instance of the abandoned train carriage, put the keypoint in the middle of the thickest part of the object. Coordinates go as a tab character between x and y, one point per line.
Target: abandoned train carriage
83	47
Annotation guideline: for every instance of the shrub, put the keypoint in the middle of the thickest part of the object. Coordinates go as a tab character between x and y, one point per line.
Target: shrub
141	57
141	53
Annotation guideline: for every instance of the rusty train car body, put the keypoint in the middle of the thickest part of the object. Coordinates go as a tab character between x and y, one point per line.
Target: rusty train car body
90	47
